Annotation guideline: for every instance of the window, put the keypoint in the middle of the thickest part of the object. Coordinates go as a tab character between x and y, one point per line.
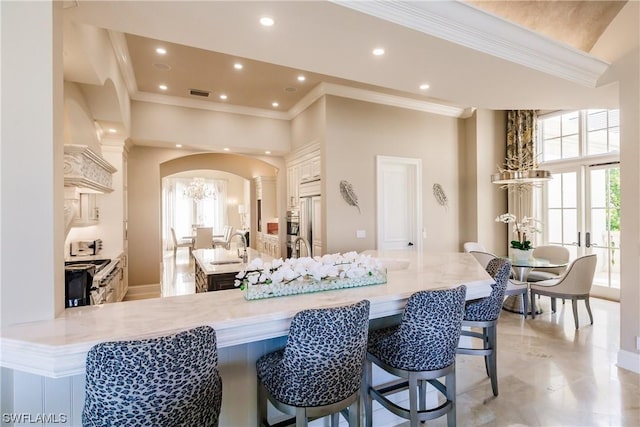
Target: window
575	134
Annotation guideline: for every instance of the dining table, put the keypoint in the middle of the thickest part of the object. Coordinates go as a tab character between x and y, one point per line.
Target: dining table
521	269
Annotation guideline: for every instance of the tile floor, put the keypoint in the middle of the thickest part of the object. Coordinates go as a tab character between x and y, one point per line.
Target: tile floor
550	374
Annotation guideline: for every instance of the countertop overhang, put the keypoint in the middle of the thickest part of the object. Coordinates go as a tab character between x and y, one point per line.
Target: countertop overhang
58	348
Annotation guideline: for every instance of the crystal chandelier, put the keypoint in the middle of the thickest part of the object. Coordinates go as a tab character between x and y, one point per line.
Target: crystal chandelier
198	190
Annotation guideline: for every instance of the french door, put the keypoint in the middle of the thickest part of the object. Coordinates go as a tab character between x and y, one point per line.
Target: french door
582	212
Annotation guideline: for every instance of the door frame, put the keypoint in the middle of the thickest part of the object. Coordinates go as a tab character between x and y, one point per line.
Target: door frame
416	169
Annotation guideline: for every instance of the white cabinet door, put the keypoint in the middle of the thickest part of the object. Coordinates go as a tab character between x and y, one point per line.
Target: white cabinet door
315	167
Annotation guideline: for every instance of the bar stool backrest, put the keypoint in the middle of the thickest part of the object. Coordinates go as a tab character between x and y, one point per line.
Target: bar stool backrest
489	308
430	330
171	380
325	351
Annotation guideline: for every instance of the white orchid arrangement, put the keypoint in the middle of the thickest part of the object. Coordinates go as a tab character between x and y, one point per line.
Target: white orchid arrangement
523	228
349	265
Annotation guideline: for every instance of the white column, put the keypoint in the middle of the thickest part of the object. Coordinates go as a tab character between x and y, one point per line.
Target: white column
31	159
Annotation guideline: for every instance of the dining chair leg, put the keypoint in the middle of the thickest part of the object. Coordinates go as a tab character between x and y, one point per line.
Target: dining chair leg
525	308
574	305
586	302
533	304
553	305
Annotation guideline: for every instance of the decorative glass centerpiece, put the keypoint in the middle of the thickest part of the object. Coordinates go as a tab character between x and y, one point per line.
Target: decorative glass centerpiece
305	275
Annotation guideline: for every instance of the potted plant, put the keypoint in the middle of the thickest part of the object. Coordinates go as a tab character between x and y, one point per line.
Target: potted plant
521	247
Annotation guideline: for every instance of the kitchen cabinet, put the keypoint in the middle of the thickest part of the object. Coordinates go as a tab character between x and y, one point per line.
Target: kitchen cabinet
271	245
293	180
302	165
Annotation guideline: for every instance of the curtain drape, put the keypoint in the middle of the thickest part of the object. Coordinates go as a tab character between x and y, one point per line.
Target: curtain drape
521	139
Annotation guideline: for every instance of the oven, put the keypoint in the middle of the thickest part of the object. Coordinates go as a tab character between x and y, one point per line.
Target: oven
81	287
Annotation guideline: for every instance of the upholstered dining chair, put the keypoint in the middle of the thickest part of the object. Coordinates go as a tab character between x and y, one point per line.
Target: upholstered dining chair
553	253
182	243
319	371
226	238
474	246
420	350
167	381
574	284
204	238
484	314
514	287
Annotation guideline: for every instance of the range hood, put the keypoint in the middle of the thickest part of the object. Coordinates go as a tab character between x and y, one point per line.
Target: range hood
86	170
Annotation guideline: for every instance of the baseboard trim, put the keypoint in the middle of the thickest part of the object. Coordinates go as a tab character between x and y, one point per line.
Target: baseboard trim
629	361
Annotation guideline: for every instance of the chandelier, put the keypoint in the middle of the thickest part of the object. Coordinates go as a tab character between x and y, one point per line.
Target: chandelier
198	190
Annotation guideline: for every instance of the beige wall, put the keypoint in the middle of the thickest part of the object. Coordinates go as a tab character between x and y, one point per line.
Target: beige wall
356	133
309	126
204	129
482	152
147	166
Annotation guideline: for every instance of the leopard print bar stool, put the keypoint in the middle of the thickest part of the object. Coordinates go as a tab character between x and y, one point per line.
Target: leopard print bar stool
484	314
319	371
166	381
419	350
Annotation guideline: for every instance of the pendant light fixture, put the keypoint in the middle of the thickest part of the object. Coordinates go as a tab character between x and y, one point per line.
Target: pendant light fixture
532	176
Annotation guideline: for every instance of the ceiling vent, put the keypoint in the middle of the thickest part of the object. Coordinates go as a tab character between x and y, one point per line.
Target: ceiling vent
198	92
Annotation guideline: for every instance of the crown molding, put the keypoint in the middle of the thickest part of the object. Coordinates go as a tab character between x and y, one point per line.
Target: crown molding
466	25
391	100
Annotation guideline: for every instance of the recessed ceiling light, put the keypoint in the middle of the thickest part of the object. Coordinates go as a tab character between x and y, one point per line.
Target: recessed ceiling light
112	130
163	87
267	152
267	21
223	97
301	78
378	51
178	145
275	104
424	86
226	149
237	66
161	51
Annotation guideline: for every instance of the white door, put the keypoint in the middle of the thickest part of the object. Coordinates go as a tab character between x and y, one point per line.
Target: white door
399	204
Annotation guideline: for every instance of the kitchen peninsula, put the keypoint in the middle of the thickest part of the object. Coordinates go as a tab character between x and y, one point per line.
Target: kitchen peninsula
53	353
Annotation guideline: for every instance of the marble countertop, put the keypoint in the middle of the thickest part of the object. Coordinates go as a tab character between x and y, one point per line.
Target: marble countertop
58	348
230	261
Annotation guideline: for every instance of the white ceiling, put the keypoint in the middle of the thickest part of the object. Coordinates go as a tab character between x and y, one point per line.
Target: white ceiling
469	58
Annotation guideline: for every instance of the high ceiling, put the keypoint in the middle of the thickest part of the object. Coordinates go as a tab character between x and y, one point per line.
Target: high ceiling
576	23
474	61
